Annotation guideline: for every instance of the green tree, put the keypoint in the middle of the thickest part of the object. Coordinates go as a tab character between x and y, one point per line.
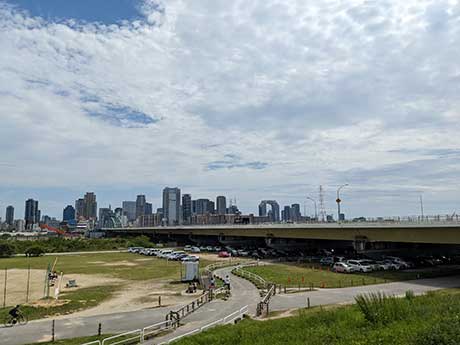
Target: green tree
35	250
6	249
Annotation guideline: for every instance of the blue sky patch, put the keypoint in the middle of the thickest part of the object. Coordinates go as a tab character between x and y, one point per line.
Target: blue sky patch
102	11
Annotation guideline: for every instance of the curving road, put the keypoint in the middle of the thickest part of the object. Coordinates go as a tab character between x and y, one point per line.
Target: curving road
347	295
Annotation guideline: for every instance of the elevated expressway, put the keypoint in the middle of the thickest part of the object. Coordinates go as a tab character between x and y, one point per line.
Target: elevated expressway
358	234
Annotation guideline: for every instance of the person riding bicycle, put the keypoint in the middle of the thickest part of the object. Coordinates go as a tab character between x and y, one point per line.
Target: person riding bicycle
15	312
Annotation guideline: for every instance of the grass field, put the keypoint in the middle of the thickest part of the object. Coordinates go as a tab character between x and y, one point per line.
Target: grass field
118	265
98	270
294	275
426	320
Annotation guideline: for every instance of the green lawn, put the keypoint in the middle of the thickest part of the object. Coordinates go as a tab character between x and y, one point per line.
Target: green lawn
119	265
296	274
427	320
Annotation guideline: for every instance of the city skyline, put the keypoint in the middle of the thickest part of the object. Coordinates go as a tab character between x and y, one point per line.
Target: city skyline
121	99
154	202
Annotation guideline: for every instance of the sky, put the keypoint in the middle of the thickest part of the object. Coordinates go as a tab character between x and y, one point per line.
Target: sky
253	100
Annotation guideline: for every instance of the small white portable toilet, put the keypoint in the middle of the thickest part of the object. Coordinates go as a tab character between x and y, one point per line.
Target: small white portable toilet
190	271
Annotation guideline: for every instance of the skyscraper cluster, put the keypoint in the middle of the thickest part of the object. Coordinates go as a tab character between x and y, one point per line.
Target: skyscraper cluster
176	209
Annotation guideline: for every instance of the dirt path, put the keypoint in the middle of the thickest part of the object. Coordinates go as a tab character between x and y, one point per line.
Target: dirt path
136	295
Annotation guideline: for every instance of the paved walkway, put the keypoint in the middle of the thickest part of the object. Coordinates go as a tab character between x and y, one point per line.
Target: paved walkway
243	293
347	295
40	330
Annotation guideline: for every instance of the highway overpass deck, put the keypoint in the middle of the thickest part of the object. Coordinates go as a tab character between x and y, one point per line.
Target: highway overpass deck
430	233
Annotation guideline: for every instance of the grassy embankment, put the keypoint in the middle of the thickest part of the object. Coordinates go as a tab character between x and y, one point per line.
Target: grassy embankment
126	266
294	275
425	320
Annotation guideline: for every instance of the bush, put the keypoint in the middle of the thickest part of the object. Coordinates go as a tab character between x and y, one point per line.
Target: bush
379	308
6	250
34	251
141	241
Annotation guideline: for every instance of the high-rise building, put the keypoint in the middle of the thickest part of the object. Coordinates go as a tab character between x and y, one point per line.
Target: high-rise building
286	214
68	213
32	213
193	207
171	205
203	206
86	208
187	208
211	207
80	208
129	210
9	215
148	209
221	203
140	205
295	212
90	206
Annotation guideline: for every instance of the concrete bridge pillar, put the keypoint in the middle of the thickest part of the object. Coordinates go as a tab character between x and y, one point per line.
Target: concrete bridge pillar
359	244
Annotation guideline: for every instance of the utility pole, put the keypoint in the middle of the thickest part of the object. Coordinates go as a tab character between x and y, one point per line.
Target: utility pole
421	206
338	201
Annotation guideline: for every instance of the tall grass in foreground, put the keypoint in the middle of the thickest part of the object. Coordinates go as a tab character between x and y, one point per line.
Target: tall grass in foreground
379	308
432	319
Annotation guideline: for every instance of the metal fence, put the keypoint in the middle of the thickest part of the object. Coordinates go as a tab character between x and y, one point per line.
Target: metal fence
135	336
237	315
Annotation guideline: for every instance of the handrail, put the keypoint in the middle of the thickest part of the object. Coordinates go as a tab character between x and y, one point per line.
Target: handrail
149	330
237	314
122	335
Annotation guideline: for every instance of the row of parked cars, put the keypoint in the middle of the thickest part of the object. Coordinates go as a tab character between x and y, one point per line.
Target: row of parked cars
387	263
227	251
169	254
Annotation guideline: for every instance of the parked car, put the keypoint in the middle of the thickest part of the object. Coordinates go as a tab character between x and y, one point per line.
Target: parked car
360	266
134	249
223	254
195	250
188	248
327	261
190	258
164	253
342	267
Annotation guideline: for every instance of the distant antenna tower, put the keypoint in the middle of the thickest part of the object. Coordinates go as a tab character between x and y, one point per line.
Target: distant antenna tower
322	209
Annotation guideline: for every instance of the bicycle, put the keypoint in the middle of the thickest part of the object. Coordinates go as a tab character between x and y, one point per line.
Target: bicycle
11	321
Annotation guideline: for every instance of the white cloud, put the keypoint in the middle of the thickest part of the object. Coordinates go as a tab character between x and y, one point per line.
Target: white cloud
302	93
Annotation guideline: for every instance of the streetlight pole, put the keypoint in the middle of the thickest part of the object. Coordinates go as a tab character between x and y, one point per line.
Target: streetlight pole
338	201
316	210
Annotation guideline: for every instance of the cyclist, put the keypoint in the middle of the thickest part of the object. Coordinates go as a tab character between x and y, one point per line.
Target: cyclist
15	312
